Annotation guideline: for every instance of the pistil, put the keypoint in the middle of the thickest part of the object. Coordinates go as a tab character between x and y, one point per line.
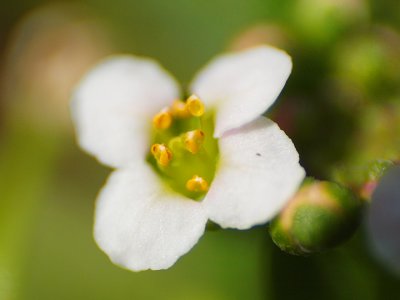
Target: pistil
183	135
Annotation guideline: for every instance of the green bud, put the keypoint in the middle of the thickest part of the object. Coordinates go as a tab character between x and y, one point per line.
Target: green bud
363	179
320	216
375	170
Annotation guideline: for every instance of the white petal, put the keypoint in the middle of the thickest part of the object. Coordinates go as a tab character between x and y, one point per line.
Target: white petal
259	171
242	85
114	105
141	226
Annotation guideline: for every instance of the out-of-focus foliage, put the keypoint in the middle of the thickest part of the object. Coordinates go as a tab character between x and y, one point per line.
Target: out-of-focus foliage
341	107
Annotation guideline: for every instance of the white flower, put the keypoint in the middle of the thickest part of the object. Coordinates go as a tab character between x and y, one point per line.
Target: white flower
139	222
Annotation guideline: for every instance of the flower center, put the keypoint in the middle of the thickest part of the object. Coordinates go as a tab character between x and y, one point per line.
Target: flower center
183	151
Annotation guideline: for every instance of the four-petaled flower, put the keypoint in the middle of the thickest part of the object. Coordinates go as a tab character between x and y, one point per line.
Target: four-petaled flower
139	221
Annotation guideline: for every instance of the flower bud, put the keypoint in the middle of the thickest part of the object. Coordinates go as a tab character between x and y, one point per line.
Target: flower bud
375	170
363	179
321	215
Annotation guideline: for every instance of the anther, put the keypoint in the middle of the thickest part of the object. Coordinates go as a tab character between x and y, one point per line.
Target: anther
195	106
163	119
197	184
162	154
193	140
179	109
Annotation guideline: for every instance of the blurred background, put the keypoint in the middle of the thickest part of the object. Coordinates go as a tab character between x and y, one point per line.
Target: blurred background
341	107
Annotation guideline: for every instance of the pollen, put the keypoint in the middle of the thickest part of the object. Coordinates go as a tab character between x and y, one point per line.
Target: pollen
182	145
195	106
179	109
163	119
162	154
193	140
197	184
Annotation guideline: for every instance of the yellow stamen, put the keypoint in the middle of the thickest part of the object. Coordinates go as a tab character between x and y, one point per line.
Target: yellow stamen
197	184
179	109
163	119
193	140
195	106
162	154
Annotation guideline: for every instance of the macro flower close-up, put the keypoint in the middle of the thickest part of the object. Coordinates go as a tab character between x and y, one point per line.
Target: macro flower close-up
200	150
179	164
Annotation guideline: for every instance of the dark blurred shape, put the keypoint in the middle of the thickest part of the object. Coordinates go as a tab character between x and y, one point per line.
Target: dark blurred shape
320	216
383	220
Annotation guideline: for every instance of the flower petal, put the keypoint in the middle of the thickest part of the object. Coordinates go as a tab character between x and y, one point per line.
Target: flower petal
141	226
242	85
259	171
114	105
